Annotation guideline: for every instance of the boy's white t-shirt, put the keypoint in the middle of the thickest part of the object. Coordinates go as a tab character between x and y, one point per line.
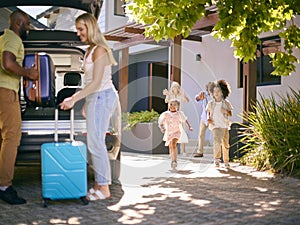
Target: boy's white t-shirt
218	117
215	110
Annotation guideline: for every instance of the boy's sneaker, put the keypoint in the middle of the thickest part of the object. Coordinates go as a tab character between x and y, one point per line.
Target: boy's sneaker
173	165
10	196
217	162
227	165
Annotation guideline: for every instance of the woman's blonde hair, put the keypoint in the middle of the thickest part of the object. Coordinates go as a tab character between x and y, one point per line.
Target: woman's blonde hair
94	34
175	84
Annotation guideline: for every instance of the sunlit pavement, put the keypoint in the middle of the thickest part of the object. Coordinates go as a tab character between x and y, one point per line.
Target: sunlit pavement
151	193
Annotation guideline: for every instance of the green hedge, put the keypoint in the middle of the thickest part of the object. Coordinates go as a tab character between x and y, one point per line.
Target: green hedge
131	119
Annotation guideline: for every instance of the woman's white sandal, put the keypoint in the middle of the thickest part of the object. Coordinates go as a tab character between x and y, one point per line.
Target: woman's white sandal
95	195
91	191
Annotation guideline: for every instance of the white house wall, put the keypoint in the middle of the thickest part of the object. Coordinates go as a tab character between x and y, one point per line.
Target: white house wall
112	21
292	81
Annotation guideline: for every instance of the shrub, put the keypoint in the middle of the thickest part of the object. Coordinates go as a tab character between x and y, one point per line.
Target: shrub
131	119
273	135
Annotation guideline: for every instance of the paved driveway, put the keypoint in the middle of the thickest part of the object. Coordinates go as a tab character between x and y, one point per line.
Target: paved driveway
149	193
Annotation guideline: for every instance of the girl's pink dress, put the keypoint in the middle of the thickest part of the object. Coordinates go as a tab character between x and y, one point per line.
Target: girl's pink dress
172	122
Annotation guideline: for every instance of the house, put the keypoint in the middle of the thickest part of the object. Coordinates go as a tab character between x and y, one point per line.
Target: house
146	67
202	60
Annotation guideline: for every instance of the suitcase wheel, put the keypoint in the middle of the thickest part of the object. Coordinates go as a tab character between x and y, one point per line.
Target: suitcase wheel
45	202
84	200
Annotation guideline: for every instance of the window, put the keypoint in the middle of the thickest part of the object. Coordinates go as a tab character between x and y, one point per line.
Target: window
119	7
264	66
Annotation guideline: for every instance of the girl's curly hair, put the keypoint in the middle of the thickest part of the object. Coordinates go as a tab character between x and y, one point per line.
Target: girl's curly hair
225	87
211	86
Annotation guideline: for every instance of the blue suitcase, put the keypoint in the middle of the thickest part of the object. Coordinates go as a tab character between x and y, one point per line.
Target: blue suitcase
42	91
64	168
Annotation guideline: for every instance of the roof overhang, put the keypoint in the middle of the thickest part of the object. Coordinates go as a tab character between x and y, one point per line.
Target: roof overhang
133	33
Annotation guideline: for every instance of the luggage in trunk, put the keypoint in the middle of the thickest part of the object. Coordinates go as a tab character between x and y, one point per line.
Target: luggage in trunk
42	91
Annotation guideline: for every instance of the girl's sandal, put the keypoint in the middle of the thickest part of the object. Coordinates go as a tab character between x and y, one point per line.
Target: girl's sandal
95	195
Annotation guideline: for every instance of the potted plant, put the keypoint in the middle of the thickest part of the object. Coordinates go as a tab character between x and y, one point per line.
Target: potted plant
141	133
132	119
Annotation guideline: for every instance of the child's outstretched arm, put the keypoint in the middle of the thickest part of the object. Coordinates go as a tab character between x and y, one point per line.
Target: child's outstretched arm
227	112
209	119
185	97
189	125
228	109
161	123
162	128
167	94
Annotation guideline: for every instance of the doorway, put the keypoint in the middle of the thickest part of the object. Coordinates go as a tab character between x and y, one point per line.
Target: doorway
147	80
158	81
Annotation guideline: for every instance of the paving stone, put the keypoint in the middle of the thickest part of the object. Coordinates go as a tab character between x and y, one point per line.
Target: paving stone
149	193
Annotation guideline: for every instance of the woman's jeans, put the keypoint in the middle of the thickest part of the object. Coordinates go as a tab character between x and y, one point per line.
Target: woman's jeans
99	109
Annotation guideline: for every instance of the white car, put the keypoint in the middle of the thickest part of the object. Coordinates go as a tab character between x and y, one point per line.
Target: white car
66	52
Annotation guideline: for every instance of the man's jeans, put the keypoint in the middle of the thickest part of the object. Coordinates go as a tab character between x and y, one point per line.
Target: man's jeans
10	134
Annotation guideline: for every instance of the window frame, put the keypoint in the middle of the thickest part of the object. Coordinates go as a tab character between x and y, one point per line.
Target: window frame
118	9
261	59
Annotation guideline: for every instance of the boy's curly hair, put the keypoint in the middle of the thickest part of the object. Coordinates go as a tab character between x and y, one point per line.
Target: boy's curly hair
225	87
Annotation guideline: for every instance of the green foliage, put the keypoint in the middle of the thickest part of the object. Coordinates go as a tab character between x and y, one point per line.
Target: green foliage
272	136
166	19
284	62
241	22
131	119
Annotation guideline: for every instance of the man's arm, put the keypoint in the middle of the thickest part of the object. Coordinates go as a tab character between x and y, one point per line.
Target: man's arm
10	64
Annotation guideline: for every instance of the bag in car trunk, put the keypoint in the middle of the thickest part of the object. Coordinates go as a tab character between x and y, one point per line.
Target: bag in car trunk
42	91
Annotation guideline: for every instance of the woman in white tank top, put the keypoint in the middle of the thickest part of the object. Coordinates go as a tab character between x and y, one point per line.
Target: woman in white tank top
101	101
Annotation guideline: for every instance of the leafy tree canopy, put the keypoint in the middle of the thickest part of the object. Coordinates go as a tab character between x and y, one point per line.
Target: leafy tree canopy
240	21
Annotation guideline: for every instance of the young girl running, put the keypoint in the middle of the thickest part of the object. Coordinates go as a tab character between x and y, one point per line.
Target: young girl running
176	92
171	124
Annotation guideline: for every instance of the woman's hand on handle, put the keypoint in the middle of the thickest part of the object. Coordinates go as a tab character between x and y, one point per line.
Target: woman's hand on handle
68	103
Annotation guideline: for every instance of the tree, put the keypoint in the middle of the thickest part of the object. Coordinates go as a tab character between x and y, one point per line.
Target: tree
240	21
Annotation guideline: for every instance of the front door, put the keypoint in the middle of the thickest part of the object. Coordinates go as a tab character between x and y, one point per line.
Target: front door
158	81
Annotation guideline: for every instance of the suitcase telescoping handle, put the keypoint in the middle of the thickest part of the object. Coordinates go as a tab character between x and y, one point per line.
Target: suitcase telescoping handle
71	125
37	82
